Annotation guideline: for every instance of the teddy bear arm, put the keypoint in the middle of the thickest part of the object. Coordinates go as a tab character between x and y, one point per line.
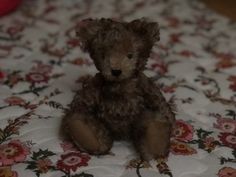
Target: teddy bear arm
87	98
155	100
82	125
163	106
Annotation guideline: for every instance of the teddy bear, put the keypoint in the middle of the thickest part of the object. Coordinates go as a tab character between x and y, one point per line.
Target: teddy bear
120	102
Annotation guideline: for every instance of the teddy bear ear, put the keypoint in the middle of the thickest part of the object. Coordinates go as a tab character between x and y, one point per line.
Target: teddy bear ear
145	29
86	30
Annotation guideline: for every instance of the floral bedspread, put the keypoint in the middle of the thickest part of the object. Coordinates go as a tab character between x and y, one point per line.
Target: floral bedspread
41	67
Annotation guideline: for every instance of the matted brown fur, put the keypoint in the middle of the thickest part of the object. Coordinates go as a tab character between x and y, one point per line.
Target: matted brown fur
119	102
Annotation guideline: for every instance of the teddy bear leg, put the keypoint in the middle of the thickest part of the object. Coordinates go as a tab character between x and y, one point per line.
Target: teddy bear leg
88	134
153	136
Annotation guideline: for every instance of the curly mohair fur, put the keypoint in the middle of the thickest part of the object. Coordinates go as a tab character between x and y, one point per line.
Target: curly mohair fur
119	102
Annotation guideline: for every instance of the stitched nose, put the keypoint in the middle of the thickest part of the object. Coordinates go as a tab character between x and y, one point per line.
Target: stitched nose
115	72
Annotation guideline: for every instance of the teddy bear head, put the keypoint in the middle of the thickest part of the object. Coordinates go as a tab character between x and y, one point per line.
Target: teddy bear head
119	49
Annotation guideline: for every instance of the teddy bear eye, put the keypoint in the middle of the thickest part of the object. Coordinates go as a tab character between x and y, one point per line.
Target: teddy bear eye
130	55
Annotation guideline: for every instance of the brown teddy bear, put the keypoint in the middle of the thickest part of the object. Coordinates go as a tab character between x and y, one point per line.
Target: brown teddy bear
119	102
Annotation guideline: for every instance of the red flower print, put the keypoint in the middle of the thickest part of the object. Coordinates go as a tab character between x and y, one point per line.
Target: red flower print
162	47
7	172
42	68
67	146
158	65
232	86
173	22
183	131
225	63
2	75
203	22
37	77
232	78
226	60
224	56
168	89
228	139
43	165
186	53
72	160
175	38
14	151
227	172
179	148
15	100
73	42
81	61
13	30
226	125
209	144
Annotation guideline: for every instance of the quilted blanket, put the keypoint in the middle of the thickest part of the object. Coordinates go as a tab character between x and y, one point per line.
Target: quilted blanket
41	67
